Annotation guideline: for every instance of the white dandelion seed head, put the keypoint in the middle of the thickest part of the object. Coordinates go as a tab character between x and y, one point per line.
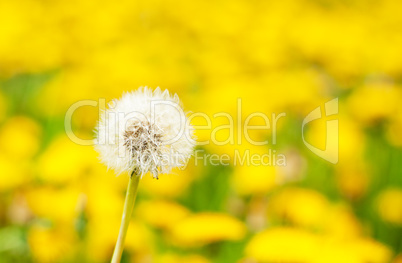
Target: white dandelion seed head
144	131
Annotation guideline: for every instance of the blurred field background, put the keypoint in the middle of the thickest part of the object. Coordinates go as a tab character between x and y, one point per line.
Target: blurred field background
58	204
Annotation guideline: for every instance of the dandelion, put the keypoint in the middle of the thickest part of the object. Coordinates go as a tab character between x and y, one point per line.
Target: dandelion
206	228
143	132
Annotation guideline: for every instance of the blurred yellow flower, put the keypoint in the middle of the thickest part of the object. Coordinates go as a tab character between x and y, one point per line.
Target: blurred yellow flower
370	250
21	19
68	87
334	42
150	212
64	161
20	137
172	258
352	178
13	173
310	209
374	101
204	228
49	244
340	222
296	245
169	185
103	197
100	240
254	179
389	205
299	90
302	207
139	238
57	205
283	245
350	138
354	251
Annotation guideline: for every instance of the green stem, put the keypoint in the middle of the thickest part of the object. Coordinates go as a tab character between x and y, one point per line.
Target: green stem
125	221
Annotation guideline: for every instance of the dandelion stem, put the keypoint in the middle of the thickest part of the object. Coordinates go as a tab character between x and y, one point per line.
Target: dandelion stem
125	221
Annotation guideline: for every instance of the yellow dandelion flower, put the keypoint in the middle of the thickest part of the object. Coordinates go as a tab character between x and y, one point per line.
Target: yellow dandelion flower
20	137
101	239
374	101
351	138
13	173
150	212
204	228
283	245
341	223
104	199
61	151
58	205
49	245
170	185
255	179
303	207
352	178
140	239
370	250
389	205
172	258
